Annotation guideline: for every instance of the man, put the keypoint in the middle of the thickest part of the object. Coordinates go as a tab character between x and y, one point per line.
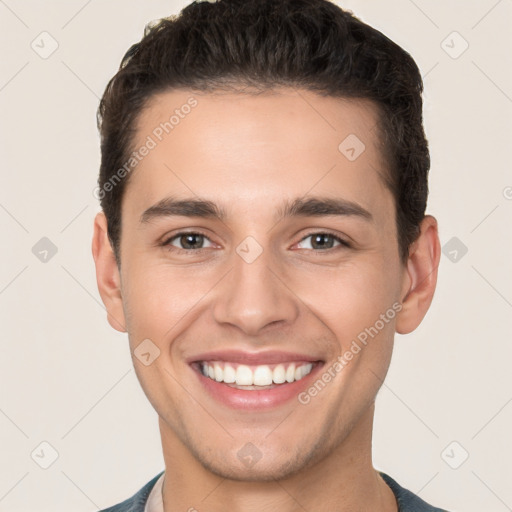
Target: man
263	235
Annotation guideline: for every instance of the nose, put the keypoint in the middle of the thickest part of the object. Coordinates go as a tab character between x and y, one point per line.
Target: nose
254	295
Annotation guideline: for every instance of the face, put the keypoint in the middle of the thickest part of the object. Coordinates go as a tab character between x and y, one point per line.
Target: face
259	247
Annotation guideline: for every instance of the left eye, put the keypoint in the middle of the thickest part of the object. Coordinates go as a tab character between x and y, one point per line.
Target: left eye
323	241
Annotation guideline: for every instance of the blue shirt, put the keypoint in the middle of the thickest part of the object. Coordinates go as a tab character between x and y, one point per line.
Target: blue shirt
407	501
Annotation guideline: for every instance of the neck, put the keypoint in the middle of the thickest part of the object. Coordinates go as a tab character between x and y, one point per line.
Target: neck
344	480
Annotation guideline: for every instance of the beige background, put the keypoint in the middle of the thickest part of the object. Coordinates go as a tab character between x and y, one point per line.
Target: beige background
66	377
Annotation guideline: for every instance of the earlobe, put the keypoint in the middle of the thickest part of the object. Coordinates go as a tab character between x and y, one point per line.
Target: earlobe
107	274
421	277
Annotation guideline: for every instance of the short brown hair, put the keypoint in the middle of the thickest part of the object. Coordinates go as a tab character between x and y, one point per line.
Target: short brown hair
261	44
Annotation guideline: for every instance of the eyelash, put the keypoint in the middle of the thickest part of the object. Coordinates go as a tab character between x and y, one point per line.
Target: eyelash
168	246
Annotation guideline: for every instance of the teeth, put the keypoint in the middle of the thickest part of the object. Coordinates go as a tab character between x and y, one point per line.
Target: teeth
244	376
262	375
217	371
290	373
279	374
229	374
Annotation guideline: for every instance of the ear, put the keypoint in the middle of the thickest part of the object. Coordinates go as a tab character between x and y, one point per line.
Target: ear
107	274
420	277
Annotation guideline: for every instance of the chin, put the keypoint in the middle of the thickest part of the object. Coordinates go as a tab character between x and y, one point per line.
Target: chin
267	469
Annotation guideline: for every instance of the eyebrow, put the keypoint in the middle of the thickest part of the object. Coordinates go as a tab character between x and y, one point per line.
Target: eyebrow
300	207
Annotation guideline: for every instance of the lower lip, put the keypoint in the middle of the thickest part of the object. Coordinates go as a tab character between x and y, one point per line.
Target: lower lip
254	399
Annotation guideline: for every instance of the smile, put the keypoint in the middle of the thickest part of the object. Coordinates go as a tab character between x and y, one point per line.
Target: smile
254	377
254	381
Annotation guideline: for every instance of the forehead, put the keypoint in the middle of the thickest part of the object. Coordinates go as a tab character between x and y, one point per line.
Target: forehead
253	149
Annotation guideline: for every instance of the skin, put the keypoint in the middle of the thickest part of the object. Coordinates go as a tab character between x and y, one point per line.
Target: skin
247	154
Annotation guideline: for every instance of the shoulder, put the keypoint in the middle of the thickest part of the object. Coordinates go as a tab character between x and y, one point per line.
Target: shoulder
407	500
138	501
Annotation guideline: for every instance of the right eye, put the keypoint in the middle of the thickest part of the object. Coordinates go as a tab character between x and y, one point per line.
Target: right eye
189	241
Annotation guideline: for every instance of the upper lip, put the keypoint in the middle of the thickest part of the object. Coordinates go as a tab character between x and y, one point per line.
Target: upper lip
252	358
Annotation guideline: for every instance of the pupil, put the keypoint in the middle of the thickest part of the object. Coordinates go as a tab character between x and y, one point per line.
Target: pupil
189	239
320	239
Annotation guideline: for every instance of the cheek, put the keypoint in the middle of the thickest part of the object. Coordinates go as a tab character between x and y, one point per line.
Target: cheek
157	296
348	297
